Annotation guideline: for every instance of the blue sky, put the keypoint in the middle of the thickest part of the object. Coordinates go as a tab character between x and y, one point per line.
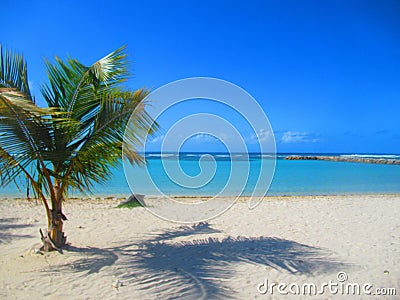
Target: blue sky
326	73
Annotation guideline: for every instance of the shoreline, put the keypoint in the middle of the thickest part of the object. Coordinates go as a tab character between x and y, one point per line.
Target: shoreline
267	197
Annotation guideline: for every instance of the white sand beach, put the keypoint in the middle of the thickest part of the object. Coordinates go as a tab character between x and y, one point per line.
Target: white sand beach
121	253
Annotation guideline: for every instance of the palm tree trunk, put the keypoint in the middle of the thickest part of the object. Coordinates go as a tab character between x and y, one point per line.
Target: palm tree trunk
56	227
55	238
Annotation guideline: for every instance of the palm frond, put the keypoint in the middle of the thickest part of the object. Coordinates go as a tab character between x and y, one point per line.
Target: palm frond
26	134
71	84
13	72
100	142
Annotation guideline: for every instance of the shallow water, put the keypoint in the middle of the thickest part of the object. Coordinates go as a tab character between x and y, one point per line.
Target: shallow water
291	177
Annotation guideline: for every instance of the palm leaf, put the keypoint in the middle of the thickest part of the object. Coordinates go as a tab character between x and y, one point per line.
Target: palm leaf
13	72
99	146
26	134
27	138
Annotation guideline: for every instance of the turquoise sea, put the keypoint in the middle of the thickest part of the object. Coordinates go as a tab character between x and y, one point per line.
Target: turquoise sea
291	177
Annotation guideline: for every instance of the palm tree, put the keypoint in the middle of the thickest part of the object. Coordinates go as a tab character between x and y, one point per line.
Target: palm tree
76	140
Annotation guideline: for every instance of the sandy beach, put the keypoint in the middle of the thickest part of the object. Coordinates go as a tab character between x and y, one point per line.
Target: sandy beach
121	253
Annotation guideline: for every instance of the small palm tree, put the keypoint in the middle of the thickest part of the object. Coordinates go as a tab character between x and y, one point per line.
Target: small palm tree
76	140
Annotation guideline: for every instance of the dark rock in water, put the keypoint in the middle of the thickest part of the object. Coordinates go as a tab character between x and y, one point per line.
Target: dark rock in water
387	161
132	200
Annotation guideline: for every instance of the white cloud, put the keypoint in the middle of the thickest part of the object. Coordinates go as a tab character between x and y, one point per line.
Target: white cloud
203	137
156	139
297	137
262	136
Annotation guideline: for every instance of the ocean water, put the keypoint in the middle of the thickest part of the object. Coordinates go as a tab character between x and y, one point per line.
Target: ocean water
291	177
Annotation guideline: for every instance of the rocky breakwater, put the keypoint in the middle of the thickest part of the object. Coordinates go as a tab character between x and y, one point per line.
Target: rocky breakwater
386	161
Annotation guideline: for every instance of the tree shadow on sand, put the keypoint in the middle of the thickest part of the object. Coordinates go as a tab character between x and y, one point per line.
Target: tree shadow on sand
7	224
196	268
93	260
199	268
